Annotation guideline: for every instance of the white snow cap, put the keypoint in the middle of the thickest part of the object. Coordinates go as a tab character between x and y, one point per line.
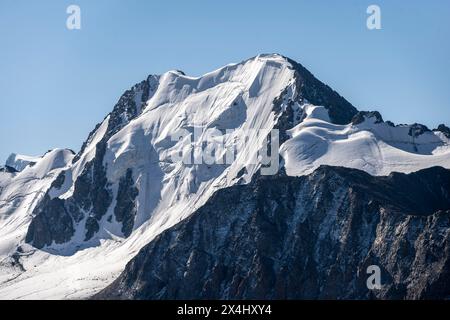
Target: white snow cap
238	97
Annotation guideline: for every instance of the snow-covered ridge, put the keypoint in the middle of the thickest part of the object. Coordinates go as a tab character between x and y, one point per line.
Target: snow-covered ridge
374	146
82	218
19	161
19	194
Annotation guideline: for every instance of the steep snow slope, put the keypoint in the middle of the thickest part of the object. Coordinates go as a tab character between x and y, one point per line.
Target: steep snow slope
123	188
19	194
78	259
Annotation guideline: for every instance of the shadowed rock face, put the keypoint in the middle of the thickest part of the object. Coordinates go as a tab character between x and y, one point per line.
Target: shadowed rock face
316	92
444	129
125	210
362	115
53	224
309	237
8	169
54	218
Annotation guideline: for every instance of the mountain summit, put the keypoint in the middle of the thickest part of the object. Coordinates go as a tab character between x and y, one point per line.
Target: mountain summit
71	233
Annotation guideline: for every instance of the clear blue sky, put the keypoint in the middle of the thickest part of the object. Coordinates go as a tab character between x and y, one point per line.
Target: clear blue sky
56	84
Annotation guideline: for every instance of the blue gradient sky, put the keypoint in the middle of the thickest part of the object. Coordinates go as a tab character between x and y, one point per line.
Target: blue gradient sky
56	84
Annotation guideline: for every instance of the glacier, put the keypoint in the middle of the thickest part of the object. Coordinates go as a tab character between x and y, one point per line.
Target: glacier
100	227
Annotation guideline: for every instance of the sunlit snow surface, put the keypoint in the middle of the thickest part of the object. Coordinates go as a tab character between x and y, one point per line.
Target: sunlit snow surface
19	162
238	96
376	148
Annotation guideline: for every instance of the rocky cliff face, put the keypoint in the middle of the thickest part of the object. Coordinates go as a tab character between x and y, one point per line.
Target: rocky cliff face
309	237
313	91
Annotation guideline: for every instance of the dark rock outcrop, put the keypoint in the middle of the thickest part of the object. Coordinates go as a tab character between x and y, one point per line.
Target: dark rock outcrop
444	129
125	210
8	169
52	223
91	194
314	91
125	110
417	129
309	237
361	116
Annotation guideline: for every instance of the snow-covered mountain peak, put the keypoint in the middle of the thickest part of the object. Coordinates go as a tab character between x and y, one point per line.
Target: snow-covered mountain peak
175	86
40	165
52	160
124	186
